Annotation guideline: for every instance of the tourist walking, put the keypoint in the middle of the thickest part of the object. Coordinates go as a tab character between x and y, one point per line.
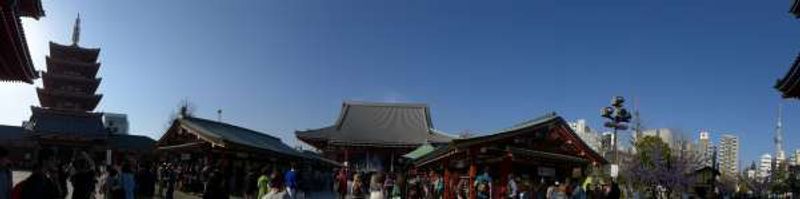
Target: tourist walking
41	184
170	178
128	181
290	178
6	181
83	181
146	181
340	186
250	184
215	187
552	191
388	184
356	190
376	186
263	183
578	192
483	185
513	189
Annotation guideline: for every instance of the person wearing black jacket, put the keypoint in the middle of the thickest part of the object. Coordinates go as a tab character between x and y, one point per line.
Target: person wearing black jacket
6	181
42	184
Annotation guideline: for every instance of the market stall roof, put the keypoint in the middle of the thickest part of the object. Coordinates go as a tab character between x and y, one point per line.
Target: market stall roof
379	125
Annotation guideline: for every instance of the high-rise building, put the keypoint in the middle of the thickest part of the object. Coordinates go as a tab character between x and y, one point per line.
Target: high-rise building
751	171
765	166
116	123
665	134
589	136
728	154
607	144
705	149
795	158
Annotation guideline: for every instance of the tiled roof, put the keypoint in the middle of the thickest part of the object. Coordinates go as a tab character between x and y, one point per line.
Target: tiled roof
9	133
46	121
381	124
131	142
238	135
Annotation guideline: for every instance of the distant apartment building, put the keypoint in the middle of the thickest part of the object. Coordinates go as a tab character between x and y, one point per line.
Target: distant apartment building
589	136
765	166
705	149
116	123
795	158
665	134
728	155
606	144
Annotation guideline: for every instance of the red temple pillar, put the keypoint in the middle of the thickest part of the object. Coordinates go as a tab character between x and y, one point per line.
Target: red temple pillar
447	180
473	172
505	169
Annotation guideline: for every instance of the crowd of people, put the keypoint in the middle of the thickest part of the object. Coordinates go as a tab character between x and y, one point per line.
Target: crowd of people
50	177
431	185
78	177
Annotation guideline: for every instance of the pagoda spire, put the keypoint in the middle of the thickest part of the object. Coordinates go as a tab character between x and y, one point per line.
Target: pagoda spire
76	30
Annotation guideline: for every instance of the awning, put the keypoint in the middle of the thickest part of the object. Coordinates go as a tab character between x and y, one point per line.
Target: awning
420	151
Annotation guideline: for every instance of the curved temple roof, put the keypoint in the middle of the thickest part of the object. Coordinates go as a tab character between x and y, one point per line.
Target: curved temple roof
524	129
789	86
378	124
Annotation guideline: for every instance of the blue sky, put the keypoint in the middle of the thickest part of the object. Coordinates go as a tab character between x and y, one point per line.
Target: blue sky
281	65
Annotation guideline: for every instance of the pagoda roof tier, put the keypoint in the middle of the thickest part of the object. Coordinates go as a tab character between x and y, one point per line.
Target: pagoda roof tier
67	100
74	52
377	125
60	65
789	86
48	122
59	81
15	59
30	8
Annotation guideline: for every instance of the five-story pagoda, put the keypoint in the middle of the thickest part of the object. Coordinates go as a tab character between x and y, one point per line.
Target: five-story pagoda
66	120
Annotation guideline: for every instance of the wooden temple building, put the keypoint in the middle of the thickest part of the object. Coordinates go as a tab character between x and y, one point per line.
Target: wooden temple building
373	136
15	59
789	85
66	122
544	148
193	140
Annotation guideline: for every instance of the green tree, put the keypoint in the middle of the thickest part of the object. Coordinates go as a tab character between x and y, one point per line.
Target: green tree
650	150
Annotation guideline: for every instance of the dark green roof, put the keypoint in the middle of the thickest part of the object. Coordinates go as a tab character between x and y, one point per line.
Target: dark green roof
420	151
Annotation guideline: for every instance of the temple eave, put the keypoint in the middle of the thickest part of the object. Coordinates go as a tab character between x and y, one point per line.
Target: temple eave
15	61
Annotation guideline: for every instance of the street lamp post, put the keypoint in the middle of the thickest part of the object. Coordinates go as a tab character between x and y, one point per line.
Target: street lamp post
618	116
